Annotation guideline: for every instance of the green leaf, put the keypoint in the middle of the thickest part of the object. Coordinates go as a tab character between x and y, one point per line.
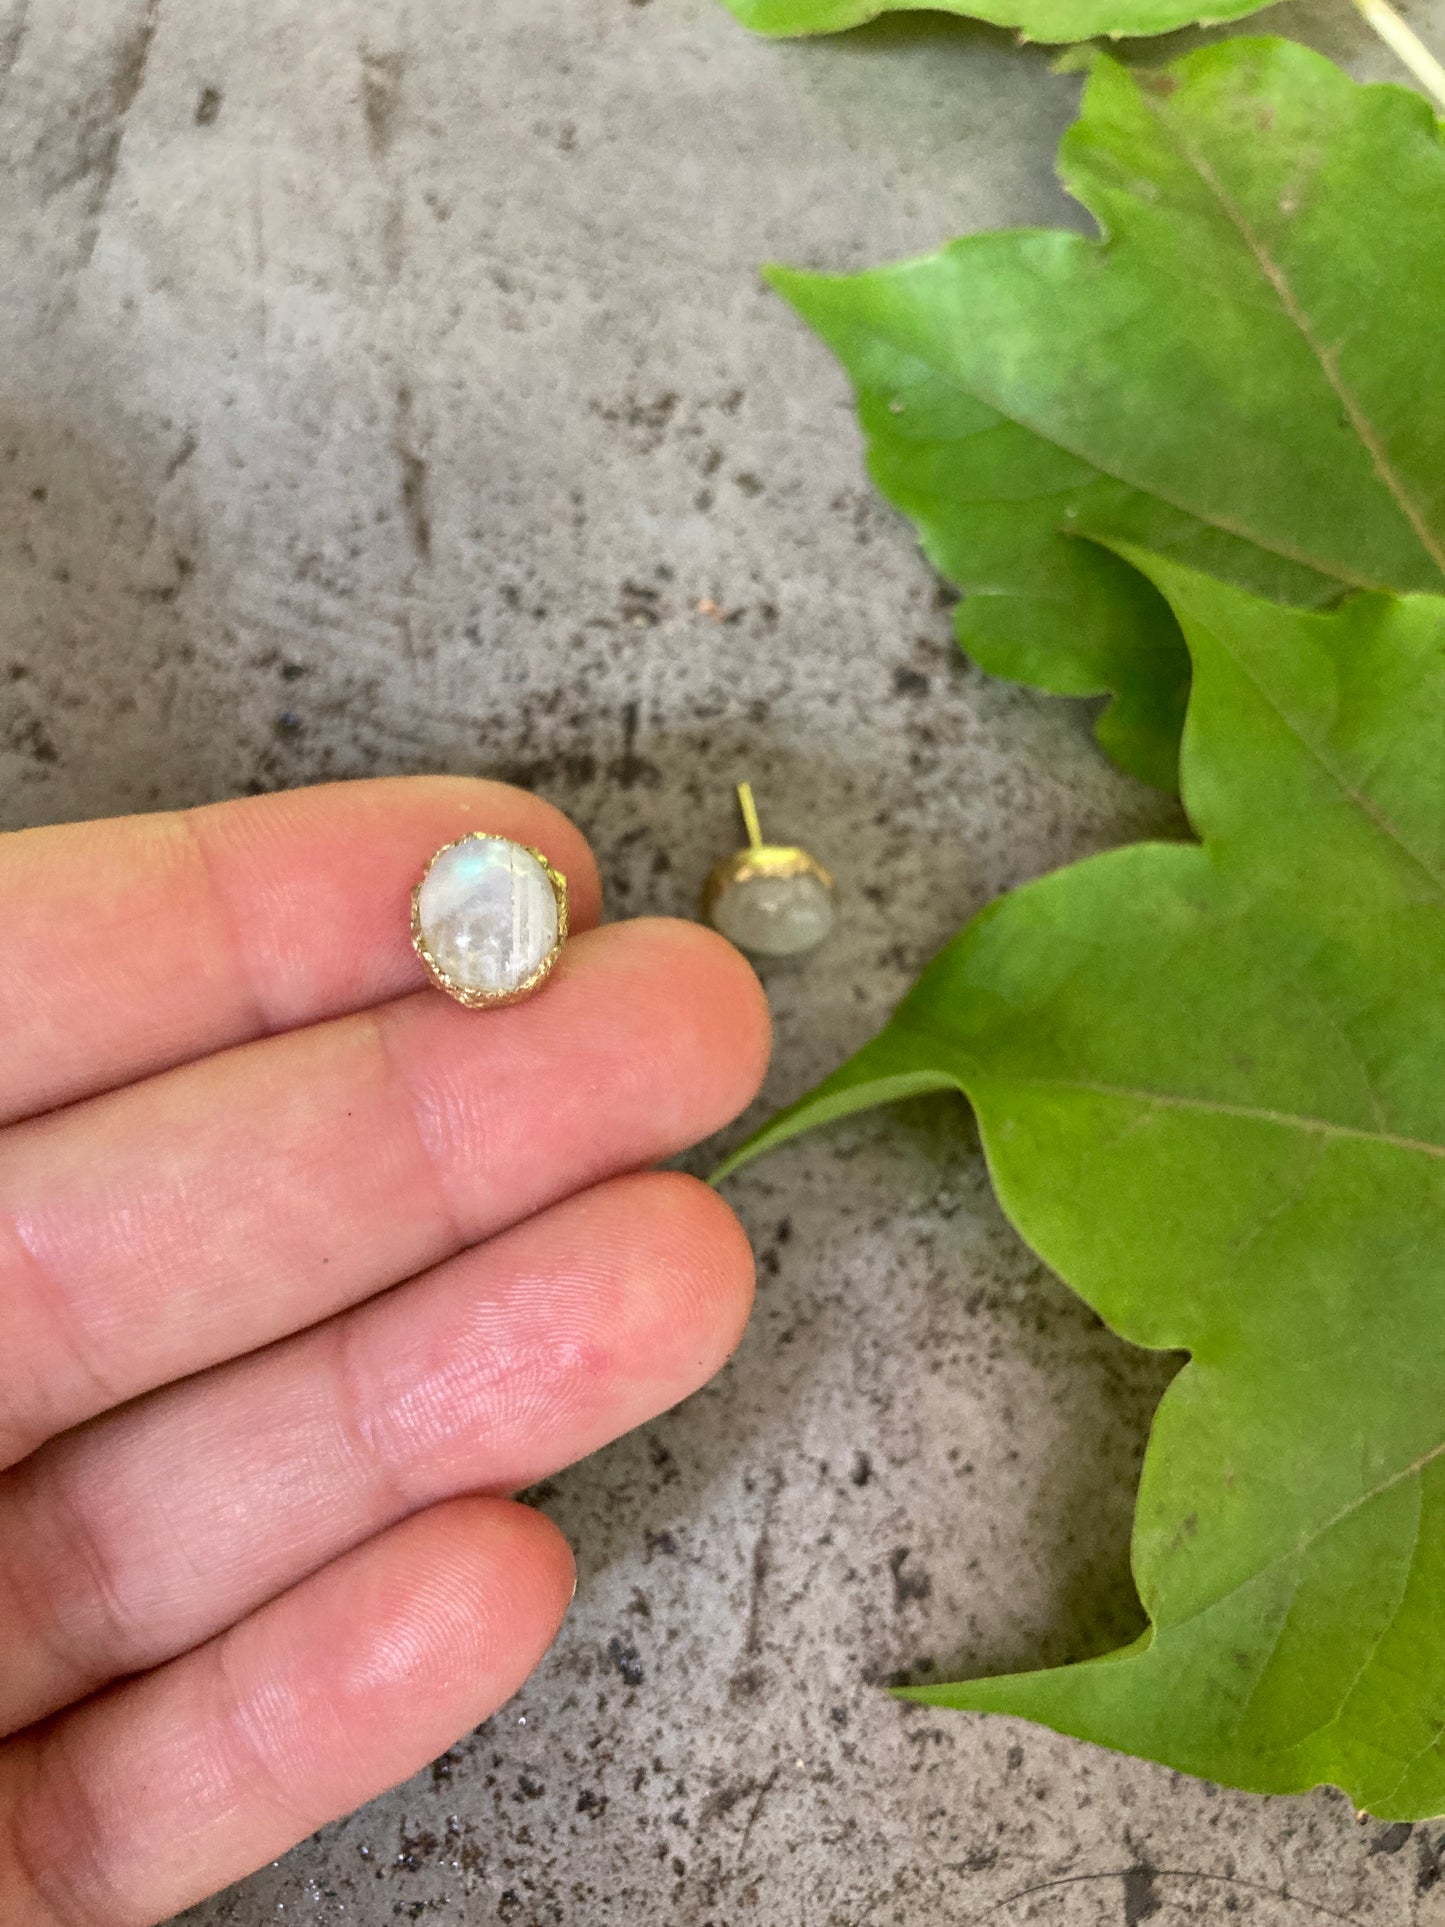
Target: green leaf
1052	20
1246	373
1210	1082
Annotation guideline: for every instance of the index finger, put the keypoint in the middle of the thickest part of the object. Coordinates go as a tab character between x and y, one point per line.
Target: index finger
132	945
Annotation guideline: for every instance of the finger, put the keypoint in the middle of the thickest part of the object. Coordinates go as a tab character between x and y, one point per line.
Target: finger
162	1228
142	1535
172	1785
146	941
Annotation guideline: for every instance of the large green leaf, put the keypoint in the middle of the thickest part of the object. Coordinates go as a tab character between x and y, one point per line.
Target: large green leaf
1247	373
1210	1082
1054	20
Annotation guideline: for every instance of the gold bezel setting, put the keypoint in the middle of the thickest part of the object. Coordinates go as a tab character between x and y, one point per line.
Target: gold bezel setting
463	993
766	860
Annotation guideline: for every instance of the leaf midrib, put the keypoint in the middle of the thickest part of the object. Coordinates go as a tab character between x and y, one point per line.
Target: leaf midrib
1308	1541
1294	311
1329	567
1219	1107
1351	791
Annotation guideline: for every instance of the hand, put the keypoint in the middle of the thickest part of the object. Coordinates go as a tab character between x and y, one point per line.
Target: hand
255	1559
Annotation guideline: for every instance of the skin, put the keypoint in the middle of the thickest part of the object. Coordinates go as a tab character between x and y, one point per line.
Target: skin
304	1269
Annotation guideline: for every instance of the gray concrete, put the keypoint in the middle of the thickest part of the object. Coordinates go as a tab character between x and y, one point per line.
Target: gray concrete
388	386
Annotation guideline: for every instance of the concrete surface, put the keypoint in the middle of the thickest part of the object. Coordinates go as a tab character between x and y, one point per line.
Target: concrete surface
389	387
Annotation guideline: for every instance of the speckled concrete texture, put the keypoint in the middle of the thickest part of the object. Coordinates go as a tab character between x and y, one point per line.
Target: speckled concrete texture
390	387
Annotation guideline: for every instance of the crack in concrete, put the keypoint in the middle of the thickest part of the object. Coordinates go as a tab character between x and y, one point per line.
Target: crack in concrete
100	138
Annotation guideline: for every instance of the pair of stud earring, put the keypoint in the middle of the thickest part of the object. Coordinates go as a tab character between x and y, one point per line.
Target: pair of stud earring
489	916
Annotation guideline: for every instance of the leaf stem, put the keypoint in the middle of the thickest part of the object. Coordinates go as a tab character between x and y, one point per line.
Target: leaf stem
1404	42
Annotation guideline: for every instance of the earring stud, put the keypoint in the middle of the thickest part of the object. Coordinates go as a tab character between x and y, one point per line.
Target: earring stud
771	899
488	920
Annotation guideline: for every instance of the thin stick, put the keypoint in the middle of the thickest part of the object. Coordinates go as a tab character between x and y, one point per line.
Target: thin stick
750	815
1404	42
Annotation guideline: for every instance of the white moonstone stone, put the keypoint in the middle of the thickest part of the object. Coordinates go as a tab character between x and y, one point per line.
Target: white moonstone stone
487	914
775	916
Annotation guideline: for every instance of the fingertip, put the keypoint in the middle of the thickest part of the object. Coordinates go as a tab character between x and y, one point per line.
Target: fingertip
522	1356
698	1244
489	1576
728	1003
174	1783
669	1289
535	1549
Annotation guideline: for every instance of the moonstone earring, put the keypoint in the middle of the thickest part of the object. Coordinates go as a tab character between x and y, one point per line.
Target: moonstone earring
488	920
771	899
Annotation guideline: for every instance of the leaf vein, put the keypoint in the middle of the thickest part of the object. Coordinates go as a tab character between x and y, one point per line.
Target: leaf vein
1331	567
1361	798
1258	1113
1327	357
1309	1540
1378	1640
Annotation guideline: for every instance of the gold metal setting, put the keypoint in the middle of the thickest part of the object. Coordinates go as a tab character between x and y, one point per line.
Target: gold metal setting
494	999
759	859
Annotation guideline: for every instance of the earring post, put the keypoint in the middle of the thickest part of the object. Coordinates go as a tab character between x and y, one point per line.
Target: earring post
750	815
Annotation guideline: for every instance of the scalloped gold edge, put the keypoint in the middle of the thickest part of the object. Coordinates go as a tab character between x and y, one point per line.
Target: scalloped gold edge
767	860
494	999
